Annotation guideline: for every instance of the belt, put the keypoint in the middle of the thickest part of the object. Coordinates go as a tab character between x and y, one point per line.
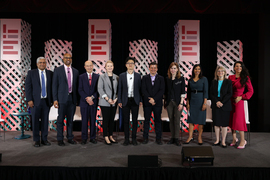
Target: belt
131	98
197	91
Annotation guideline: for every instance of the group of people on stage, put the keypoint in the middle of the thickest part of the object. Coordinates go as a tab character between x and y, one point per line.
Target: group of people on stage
45	88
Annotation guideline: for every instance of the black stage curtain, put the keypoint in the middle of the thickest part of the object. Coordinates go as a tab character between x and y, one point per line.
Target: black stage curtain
113	173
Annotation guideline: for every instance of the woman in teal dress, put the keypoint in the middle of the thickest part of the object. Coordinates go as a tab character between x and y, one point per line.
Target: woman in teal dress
197	94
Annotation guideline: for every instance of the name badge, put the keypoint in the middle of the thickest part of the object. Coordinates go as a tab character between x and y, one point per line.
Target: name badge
179	82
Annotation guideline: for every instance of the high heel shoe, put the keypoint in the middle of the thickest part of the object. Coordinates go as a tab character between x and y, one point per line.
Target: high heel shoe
188	141
114	142
242	147
233	144
216	144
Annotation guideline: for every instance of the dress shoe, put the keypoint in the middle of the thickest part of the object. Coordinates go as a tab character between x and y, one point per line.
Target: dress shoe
200	144
158	141
114	142
171	141
107	143
94	141
83	141
126	142
187	142
37	144
233	144
217	144
46	143
71	141
134	142
145	141
224	146
61	143
242	147
177	143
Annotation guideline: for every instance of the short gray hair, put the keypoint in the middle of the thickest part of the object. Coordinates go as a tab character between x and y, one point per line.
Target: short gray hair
39	58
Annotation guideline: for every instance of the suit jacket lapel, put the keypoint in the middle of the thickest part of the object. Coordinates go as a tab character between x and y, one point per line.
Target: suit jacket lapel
38	78
64	71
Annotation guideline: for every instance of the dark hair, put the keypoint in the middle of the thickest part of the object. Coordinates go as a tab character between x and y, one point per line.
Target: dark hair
193	74
178	74
131	58
153	63
244	73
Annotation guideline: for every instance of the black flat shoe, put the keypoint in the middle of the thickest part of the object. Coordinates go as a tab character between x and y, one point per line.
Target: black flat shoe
83	142
94	141
188	141
61	143
46	143
145	141
158	141
177	143
134	142
71	141
37	144
216	144
126	142
172	141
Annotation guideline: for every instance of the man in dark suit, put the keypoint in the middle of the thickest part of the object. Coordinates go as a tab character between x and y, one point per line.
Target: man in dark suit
64	90
88	102
38	88
153	88
129	98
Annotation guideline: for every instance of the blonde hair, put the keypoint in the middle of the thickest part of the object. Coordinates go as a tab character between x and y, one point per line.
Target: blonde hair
223	69
109	61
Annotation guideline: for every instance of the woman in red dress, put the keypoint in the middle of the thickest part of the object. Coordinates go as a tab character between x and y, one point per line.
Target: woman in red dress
240	82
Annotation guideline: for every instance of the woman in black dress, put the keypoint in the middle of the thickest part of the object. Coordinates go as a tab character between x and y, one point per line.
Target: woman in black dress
174	99
220	94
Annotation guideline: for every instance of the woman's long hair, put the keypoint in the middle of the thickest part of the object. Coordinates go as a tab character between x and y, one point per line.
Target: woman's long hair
178	74
244	73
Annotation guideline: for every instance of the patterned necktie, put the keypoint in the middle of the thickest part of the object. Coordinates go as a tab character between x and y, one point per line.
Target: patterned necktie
69	81
90	79
43	87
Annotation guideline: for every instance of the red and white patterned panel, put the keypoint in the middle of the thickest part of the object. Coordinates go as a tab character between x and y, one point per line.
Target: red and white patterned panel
15	63
228	52
99	43
10	39
186	53
54	52
188	37
145	51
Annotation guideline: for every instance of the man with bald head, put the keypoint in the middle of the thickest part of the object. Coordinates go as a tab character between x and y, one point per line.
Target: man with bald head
88	101
64	90
38	89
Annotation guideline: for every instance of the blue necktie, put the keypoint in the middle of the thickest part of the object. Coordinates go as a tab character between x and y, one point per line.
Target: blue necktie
43	88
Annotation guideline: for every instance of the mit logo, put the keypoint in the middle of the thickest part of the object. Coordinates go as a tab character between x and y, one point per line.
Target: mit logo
10	38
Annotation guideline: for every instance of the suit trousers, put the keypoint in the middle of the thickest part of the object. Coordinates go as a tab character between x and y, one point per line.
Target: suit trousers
65	110
174	117
157	118
89	113
131	105
108	114
40	112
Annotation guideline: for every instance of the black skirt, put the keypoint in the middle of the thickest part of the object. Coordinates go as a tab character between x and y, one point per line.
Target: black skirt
220	117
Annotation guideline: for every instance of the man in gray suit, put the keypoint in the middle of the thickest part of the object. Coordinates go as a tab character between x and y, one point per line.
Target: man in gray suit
64	90
129	98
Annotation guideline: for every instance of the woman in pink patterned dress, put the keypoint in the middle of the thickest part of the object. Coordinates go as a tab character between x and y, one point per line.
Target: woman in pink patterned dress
240	82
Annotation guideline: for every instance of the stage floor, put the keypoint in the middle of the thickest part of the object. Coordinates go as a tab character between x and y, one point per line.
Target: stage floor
22	153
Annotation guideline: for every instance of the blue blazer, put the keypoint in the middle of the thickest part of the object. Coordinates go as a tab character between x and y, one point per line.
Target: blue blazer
33	87
60	85
123	88
156	91
85	90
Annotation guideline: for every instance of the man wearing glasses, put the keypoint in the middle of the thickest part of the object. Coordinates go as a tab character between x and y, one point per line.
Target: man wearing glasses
64	90
129	98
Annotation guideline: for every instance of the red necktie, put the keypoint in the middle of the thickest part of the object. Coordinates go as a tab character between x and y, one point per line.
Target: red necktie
90	79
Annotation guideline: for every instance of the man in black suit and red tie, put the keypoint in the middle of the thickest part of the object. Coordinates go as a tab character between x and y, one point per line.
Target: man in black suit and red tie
88	102
129	98
38	89
153	88
64	90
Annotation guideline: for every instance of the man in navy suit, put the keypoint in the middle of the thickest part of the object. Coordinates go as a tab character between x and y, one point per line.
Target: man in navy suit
88	102
64	91
153	88
38	88
129	98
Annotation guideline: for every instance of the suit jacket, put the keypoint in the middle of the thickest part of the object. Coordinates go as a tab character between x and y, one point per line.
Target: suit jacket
33	87
85	90
60	85
123	88
156	91
179	88
225	94
105	88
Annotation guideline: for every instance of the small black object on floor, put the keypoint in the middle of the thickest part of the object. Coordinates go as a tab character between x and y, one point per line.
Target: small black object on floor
193	155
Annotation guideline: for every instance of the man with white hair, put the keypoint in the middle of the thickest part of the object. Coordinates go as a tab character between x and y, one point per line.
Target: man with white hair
38	88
